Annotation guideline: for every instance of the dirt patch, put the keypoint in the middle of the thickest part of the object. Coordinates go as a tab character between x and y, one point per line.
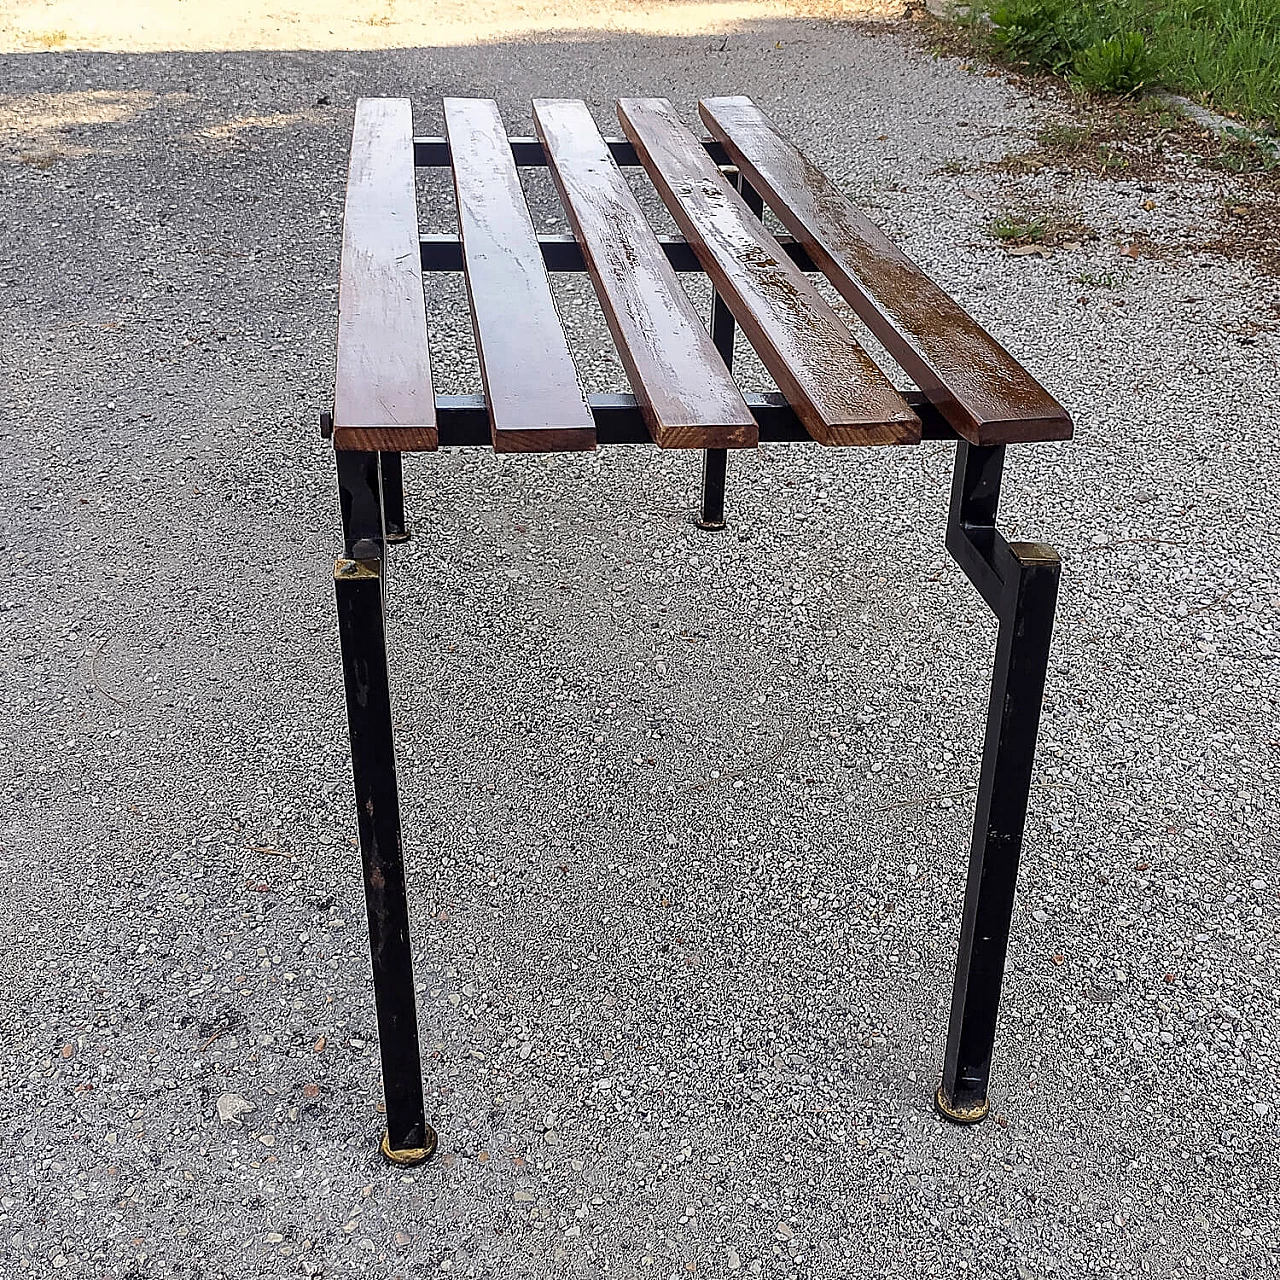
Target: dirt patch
1152	144
1106	138
1252	232
1145	141
1111	141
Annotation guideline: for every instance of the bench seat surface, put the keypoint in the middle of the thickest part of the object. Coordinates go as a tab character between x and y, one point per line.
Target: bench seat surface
685	392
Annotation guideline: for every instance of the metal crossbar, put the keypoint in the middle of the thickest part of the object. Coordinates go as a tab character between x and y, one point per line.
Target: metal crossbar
443	252
528	153
464	420
1018	581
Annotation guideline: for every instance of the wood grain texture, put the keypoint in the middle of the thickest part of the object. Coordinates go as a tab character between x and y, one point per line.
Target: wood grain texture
382	385
982	391
833	385
535	400
687	396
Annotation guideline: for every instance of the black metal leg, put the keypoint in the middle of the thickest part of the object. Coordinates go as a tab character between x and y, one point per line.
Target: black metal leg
393	497
362	632
1023	578
714	464
360	495
359	585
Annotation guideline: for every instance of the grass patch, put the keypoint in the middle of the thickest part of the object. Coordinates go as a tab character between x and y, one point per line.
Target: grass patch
1238	153
1022	228
1027	229
1137	138
1225	53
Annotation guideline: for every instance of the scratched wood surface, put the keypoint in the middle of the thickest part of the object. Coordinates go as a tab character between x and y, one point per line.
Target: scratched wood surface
382	390
836	390
982	391
531	386
687	396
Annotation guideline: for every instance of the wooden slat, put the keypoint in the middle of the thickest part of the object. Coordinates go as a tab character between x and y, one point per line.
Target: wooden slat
977	385
382	389
687	396
835	389
535	401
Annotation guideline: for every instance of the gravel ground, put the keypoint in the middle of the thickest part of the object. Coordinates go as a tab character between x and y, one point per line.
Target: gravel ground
687	814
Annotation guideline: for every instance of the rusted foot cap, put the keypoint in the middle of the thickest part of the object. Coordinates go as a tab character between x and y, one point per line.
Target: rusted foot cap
960	1115
711	525
397	535
410	1155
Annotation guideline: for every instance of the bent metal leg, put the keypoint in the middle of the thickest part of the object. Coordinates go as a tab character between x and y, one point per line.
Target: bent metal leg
1020	582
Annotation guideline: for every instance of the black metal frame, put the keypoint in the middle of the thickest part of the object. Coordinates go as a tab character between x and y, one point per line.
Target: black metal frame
1019	581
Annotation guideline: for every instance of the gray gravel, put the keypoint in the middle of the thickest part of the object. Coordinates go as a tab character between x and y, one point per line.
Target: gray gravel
687	814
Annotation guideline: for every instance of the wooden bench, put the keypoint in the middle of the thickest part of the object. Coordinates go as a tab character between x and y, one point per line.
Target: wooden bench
970	391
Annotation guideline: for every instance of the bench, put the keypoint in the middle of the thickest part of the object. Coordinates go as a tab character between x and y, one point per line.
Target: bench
970	391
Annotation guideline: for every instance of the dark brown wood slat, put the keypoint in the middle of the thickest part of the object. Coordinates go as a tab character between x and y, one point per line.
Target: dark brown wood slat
382	386
835	389
687	396
976	384
535	401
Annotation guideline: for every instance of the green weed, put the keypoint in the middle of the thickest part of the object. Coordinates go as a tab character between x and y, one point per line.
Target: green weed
1239	153
1041	33
1106	280
1121	64
1223	52
1055	135
1109	158
1026	228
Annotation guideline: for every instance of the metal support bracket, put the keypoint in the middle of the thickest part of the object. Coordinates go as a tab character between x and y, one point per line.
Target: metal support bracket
392	468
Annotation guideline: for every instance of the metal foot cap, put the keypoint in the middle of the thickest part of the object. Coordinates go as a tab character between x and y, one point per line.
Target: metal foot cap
397	535
410	1155
960	1115
710	525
